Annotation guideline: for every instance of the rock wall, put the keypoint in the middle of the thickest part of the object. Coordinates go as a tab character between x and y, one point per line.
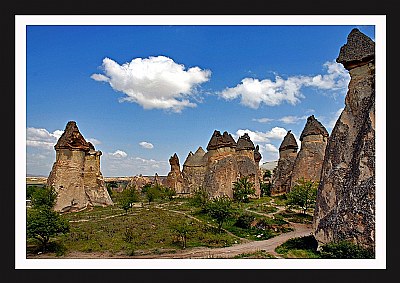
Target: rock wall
345	207
282	174
308	163
75	174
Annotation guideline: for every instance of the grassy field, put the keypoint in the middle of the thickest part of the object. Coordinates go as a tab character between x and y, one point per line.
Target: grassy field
150	228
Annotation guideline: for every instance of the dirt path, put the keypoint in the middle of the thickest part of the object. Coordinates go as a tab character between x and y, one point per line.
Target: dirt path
249	247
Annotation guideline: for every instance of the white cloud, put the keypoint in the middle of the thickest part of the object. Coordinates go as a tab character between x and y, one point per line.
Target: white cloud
253	92
146	145
41	138
118	154
276	133
94	141
154	82
263	120
292	119
335	117
132	166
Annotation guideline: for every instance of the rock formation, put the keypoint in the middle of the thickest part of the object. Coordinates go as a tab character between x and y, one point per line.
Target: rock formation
283	172
138	182
194	169
308	164
345	208
224	163
76	175
174	179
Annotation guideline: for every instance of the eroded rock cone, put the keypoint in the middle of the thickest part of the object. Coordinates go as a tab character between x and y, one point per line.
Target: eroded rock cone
345	208
75	174
283	172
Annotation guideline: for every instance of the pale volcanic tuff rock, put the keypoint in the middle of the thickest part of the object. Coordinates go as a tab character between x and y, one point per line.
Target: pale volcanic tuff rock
283	172
308	163
345	207
175	179
75	174
224	163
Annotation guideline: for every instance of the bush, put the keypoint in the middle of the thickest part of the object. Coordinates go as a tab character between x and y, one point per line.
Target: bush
200	198
345	249
244	221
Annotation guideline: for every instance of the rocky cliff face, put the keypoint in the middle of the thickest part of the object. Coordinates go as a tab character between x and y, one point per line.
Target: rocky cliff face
283	172
76	175
308	163
345	208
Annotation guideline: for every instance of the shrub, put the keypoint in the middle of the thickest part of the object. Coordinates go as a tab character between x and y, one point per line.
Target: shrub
244	221
345	249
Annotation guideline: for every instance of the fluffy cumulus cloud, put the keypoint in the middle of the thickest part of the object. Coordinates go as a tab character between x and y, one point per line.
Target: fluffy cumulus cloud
275	133
146	145
154	82
254	92
41	138
118	154
133	165
268	142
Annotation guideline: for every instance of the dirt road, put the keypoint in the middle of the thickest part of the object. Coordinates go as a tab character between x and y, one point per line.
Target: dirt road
229	252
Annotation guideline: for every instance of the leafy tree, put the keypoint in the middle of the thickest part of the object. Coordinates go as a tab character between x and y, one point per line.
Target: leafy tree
242	188
42	221
183	229
152	193
267	174
265	188
168	193
303	194
128	197
45	196
220	208
30	190
110	186
199	198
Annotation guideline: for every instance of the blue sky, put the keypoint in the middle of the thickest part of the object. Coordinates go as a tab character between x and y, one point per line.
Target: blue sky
141	93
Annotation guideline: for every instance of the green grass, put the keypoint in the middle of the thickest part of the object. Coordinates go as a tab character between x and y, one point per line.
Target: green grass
293	216
257	254
148	228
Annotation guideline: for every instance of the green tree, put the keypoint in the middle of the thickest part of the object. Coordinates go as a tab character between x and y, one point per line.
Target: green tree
152	193
242	189
168	193
42	221
183	229
265	188
267	174
220	208
127	198
30	190
110	186
200	198
45	196
303	194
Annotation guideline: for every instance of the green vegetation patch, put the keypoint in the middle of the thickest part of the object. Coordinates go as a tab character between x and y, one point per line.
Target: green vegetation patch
302	247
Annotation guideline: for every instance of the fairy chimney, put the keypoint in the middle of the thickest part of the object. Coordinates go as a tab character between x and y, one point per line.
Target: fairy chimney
345	205
75	174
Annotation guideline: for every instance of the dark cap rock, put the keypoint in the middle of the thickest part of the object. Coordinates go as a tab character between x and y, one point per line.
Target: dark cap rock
289	142
72	139
244	143
358	50
217	141
313	127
